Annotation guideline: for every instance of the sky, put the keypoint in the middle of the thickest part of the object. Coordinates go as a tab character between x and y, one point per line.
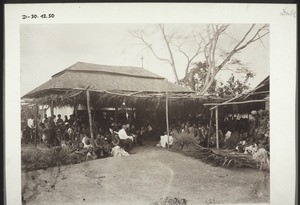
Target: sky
49	48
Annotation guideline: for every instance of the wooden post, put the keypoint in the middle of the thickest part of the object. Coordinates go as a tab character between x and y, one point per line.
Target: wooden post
89	112
116	115
36	124
217	128
210	123
75	109
167	113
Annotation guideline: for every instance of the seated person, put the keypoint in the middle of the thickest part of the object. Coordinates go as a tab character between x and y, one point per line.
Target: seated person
165	140
79	153
150	132
125	140
70	132
91	155
117	151
142	133
101	147
107	137
86	142
140	136
131	131
262	141
76	143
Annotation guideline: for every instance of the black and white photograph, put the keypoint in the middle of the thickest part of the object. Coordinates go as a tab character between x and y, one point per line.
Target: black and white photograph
158	113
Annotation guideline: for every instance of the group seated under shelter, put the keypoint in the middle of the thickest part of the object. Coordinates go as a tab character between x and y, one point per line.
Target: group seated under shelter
73	133
239	133
111	138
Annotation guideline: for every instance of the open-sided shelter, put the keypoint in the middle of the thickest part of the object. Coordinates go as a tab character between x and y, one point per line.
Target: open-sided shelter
255	99
100	86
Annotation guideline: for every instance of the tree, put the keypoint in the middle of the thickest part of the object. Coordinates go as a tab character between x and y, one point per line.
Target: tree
233	86
215	58
172	40
214	32
196	76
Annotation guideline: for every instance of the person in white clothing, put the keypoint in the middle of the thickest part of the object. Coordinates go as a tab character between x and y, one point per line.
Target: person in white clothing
30	127
123	134
165	140
86	142
30	122
126	141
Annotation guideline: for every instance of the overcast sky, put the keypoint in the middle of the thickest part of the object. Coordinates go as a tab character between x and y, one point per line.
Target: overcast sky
49	48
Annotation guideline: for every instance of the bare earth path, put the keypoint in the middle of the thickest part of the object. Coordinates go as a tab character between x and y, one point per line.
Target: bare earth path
144	178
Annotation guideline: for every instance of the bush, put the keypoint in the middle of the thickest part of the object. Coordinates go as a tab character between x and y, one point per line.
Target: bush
44	158
183	141
187	144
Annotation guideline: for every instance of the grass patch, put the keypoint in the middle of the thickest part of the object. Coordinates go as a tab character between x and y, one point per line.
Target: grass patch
187	144
42	158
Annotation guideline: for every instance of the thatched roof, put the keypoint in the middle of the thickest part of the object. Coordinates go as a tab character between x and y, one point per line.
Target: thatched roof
103	78
113	85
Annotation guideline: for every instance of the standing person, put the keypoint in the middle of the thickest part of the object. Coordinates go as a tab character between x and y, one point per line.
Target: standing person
150	132
30	125
39	130
66	119
71	133
45	119
59	121
71	119
252	124
51	133
54	119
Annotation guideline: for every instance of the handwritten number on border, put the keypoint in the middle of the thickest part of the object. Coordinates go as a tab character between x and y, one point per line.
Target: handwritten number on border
36	16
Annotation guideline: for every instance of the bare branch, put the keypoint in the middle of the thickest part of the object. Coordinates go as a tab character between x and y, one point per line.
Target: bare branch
189	59
238	46
214	32
149	46
172	62
202	38
254	38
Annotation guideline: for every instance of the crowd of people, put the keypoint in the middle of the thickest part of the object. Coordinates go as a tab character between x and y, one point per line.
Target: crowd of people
235	131
111	138
73	133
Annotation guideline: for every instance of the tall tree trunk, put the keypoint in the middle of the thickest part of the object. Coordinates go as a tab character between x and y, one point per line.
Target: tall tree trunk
175	73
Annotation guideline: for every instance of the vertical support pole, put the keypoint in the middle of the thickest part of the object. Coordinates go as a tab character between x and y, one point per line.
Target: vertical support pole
210	123
36	124
89	112
76	110
217	128
167	112
116	115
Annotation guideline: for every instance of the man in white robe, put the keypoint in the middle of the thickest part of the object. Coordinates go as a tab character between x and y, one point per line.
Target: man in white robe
126	141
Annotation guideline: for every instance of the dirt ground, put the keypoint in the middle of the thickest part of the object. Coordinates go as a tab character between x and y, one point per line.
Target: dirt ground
144	178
